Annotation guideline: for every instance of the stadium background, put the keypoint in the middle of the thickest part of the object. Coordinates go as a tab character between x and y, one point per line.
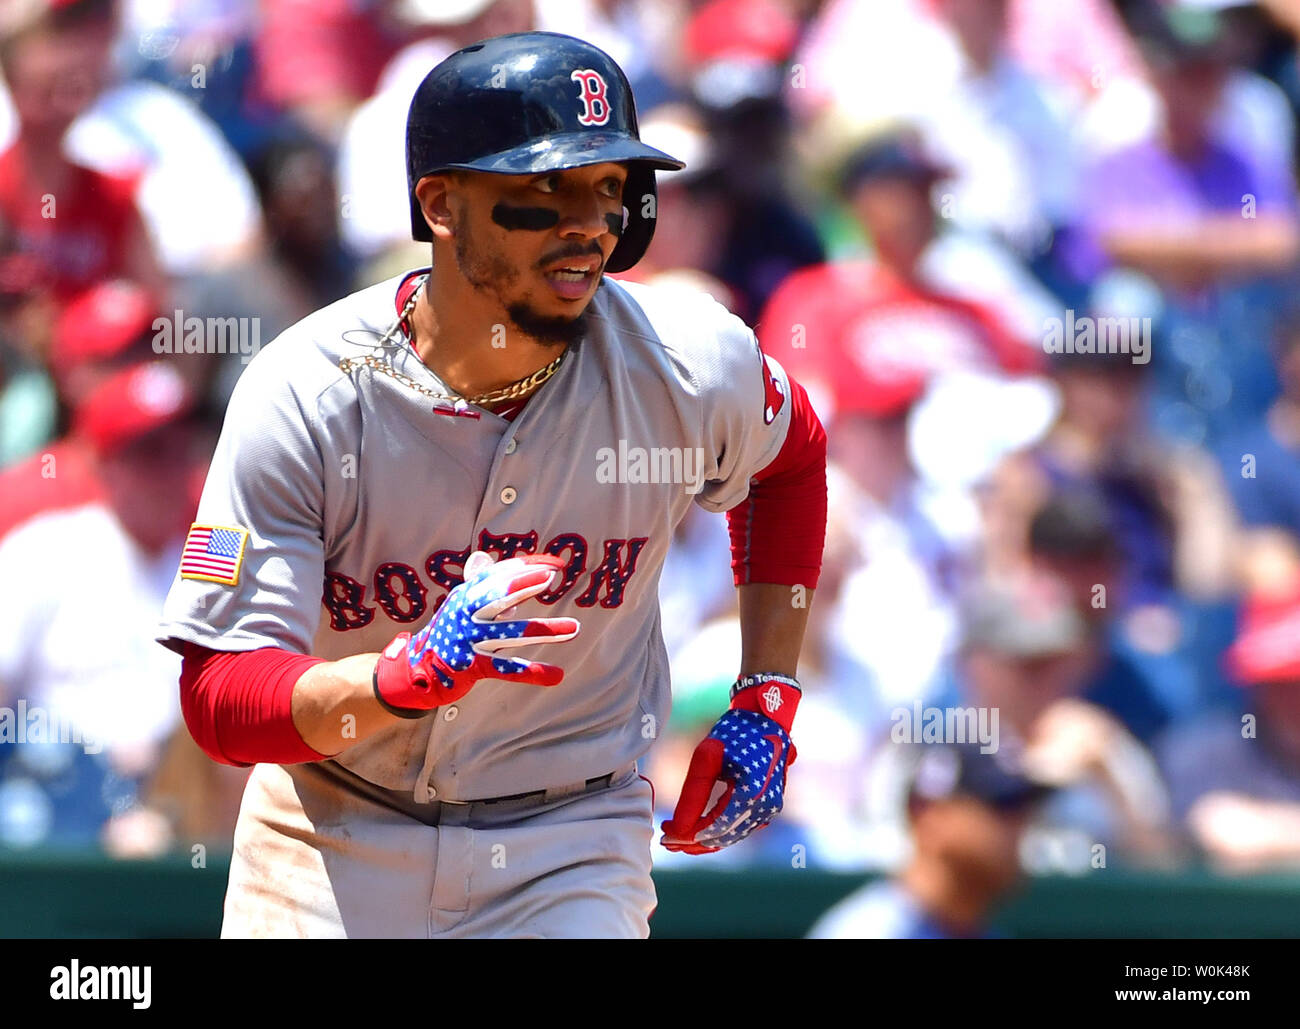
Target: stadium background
926	209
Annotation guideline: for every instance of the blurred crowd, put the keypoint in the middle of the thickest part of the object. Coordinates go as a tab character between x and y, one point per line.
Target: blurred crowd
1034	262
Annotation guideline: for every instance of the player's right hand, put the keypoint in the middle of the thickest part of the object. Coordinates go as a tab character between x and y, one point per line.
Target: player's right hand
443	662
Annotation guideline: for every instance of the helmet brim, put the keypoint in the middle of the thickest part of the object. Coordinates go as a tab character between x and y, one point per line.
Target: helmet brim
554	153
571	150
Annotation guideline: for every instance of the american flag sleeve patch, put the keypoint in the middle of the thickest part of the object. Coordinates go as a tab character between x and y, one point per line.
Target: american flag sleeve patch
213	553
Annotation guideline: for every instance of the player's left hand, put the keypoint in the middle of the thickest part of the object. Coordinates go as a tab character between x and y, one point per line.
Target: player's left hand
740	767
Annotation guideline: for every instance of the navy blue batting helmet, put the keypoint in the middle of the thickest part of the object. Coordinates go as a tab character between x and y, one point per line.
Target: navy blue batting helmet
528	103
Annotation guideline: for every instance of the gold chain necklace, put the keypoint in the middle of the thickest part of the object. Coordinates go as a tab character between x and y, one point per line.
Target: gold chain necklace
377	363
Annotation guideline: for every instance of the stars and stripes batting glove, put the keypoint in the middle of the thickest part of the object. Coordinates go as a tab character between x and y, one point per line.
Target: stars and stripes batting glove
739	768
442	662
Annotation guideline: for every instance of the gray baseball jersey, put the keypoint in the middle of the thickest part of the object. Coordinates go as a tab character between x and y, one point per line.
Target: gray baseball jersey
341	505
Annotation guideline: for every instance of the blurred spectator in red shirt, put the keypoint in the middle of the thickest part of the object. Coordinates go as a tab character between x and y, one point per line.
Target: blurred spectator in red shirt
824	316
190	188
82	225
102	331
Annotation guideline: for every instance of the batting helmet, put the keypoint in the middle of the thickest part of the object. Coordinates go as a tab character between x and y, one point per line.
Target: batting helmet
528	103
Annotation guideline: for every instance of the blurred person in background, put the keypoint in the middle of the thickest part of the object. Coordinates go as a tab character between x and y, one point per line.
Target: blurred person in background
889	302
102	331
735	55
202	50
1173	524
1004	131
966	814
375	219
1072	541
875	56
116	556
1271	28
948	67
1208	213
186	799
694	214
303	267
189	186
1234	775
81	223
1173	205
1027	655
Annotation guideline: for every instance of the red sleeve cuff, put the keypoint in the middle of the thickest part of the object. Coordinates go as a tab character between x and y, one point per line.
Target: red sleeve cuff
779	530
239	707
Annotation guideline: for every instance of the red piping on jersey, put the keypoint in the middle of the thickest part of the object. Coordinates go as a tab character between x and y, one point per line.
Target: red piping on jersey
779	530
238	707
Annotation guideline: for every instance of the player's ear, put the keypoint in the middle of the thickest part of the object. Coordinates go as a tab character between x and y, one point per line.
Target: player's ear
433	193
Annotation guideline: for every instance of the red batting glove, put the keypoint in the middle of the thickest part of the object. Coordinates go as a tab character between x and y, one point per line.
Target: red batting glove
459	646
742	764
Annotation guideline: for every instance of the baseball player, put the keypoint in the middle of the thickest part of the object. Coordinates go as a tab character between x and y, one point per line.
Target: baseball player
421	593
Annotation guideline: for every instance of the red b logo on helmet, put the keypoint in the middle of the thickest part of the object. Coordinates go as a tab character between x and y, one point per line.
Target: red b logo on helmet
595	100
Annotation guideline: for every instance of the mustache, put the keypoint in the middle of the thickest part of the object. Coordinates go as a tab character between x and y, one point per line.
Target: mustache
574	250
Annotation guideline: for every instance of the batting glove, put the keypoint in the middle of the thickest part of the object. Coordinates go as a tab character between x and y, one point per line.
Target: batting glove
742	764
441	663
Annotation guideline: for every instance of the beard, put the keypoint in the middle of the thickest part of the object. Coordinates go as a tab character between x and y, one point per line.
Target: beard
492	274
546	329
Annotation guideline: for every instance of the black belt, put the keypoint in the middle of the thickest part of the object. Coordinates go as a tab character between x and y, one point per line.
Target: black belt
428	813
599	782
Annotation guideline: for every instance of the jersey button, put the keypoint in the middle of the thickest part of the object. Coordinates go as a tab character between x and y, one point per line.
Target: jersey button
511	445
508	495
450	714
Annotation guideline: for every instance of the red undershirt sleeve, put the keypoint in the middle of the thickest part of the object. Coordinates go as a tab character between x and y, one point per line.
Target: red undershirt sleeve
779	530
238	707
